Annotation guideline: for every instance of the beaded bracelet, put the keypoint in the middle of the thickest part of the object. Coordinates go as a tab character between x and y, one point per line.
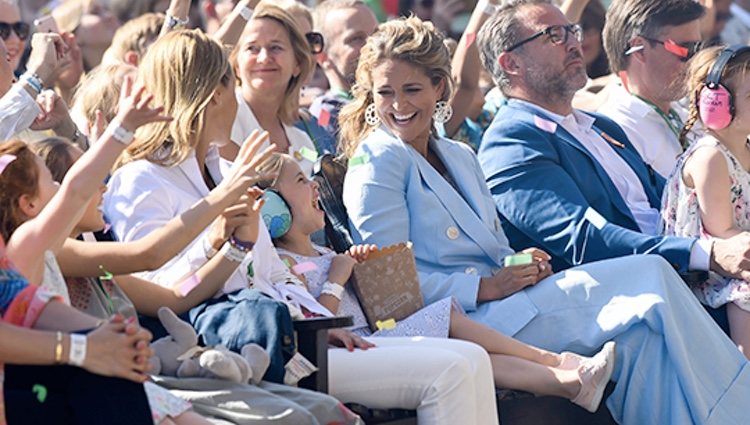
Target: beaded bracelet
245	246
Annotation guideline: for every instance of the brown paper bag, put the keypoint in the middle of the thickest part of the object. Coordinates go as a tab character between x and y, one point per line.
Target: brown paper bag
387	284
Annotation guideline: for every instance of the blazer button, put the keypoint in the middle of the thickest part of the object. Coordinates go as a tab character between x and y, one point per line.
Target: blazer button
471	270
497	224
452	233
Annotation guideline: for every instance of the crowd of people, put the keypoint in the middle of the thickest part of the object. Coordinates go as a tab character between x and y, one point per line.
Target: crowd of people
161	154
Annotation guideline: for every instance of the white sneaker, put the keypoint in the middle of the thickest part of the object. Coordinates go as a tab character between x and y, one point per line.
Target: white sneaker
594	374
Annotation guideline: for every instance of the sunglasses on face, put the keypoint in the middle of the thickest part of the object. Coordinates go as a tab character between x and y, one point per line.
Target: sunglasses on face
684	51
557	34
315	40
22	30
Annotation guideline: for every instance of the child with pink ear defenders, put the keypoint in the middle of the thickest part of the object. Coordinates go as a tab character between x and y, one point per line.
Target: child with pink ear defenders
708	193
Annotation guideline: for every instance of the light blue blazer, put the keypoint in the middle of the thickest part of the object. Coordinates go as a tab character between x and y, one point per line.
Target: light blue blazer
394	195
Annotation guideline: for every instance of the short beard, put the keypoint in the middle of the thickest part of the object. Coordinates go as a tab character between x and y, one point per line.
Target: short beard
551	86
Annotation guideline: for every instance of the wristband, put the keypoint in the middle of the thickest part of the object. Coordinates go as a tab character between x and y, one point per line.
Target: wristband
333	289
232	253
77	350
34	81
246	13
174	22
487	7
245	246
121	134
58	348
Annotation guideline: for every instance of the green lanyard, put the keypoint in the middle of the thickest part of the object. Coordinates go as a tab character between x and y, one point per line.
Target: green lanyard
673	120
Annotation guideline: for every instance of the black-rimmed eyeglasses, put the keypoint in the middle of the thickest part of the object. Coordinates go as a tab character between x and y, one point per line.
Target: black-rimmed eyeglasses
557	34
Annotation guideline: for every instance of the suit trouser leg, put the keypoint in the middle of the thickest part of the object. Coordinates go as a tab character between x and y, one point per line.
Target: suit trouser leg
446	381
674	364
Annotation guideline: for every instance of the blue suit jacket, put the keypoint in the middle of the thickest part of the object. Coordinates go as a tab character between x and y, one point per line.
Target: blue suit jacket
544	185
395	195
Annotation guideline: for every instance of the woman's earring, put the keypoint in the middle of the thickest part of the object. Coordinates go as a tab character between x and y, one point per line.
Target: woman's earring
371	117
443	112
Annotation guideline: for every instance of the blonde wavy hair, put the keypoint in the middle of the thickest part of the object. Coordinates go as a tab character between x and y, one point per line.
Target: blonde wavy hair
699	67
181	70
289	112
410	40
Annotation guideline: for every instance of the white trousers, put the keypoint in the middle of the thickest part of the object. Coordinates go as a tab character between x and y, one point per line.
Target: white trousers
446	380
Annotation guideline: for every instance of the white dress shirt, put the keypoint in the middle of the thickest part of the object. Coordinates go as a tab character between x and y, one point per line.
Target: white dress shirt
300	145
17	111
737	29
646	129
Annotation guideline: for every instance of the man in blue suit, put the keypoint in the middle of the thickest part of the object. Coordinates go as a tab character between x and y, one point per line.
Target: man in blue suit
569	182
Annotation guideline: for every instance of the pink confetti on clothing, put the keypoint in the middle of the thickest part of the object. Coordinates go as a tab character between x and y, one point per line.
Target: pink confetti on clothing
5	160
325	117
546	125
470	37
189	284
305	267
106	228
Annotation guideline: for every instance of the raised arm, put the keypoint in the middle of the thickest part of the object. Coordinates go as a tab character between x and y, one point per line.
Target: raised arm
84	259
54	223
466	66
231	29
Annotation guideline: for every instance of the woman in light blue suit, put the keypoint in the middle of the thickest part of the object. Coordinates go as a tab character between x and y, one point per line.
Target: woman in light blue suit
405	183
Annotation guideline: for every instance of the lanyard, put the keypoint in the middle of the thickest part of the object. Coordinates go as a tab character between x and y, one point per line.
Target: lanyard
673	120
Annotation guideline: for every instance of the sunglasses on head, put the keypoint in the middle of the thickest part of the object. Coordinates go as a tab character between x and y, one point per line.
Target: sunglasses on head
315	40
22	30
684	51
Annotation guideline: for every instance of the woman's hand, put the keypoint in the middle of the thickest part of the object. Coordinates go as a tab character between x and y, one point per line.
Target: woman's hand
70	73
234	217
48	56
341	269
119	348
347	339
507	281
243	172
133	109
542	259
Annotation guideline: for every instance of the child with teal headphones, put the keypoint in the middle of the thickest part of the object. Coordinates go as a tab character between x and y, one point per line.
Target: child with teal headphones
292	213
708	193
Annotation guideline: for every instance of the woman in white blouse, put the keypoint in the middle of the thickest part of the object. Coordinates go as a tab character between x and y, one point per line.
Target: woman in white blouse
272	61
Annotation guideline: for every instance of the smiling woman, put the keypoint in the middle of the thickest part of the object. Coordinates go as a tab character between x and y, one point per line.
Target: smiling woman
272	61
13	31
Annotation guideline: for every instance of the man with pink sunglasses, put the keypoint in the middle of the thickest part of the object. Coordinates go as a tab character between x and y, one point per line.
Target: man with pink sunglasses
648	43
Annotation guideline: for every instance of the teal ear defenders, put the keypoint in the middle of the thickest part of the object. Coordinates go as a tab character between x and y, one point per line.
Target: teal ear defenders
276	213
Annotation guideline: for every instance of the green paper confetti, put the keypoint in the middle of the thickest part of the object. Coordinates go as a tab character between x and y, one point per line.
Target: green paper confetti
358	160
250	271
107	275
40	391
308	154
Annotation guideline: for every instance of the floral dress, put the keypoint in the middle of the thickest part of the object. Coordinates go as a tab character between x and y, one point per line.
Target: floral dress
681	217
431	321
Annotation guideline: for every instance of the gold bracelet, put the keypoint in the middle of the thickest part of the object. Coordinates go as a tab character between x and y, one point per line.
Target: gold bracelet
59	348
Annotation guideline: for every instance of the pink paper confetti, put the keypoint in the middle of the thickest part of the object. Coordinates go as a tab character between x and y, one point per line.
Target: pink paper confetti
325	117
5	160
546	125
107	226
305	267
189	284
470	37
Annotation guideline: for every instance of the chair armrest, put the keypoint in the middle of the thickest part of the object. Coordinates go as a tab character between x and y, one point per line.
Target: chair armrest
694	277
312	342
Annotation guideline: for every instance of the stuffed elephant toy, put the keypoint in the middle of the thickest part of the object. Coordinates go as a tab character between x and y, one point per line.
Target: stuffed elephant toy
179	354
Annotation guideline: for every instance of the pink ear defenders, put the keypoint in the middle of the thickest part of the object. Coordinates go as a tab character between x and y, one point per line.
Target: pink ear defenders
715	103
